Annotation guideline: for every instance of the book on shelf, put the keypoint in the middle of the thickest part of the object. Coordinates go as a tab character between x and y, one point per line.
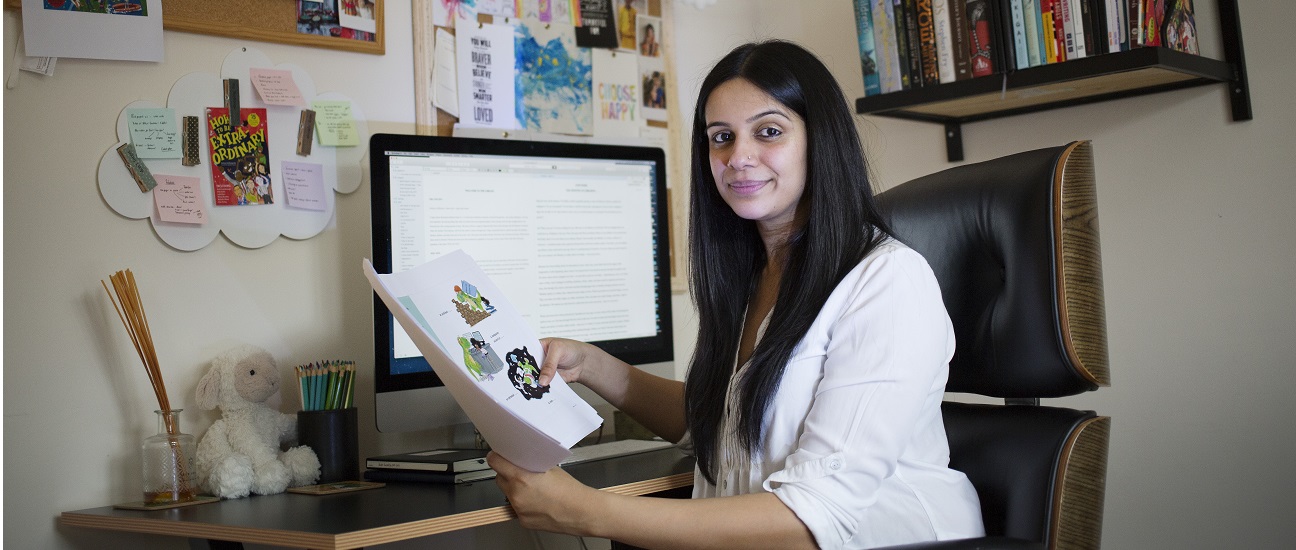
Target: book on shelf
959	39
1088	29
901	28
925	24
435	460
884	42
1018	19
867	49
1034	37
1180	27
423	476
1153	19
913	39
944	39
979	35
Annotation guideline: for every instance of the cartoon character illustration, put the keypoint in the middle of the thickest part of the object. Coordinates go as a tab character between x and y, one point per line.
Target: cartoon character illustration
481	360
524	373
472	306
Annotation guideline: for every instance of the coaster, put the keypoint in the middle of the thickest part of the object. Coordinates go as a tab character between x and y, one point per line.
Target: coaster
338	487
141	505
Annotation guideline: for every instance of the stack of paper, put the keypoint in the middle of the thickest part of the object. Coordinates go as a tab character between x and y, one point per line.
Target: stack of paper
488	357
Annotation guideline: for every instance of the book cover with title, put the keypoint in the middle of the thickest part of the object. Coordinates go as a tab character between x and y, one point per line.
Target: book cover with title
240	157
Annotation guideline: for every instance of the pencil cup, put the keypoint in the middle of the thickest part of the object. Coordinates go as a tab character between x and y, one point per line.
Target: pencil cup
332	434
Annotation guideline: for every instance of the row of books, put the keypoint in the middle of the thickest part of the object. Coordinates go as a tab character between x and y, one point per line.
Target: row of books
907	44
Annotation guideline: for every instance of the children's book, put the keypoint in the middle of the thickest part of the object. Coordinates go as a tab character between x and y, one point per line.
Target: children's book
1180	27
488	357
240	157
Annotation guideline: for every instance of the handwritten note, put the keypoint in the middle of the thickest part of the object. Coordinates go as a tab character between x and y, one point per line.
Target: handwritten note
178	200
335	124
154	133
304	185
277	87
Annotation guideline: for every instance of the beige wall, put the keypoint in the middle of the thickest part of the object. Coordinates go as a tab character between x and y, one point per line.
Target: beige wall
1197	242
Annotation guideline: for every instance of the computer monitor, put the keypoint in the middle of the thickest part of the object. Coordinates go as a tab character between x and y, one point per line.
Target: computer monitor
574	234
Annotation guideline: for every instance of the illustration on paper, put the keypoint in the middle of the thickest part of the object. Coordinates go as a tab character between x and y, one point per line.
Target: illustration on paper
472	306
554	81
524	373
479	357
128	7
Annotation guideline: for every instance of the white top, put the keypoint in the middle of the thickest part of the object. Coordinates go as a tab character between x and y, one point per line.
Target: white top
854	441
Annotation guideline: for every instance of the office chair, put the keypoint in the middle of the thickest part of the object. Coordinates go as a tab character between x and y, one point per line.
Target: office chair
1014	244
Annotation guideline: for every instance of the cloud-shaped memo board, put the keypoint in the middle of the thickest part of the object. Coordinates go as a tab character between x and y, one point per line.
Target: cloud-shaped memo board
248	226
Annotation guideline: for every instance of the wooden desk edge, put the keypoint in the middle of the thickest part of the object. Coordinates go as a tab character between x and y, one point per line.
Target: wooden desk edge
343	541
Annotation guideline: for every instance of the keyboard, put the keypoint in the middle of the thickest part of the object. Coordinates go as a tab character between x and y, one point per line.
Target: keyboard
600	451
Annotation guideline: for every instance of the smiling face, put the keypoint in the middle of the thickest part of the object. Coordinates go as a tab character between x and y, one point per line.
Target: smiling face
757	150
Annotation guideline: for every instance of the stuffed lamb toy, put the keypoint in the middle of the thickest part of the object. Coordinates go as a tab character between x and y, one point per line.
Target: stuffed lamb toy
239	455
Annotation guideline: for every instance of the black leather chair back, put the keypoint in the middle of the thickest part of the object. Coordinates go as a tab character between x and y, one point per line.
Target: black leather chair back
1014	244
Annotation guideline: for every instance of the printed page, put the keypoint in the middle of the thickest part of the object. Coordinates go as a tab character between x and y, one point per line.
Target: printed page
488	357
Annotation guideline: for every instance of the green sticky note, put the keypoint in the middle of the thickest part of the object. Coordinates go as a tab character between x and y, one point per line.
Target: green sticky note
334	123
153	133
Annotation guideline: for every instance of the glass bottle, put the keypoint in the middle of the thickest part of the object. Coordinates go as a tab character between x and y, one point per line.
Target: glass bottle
168	462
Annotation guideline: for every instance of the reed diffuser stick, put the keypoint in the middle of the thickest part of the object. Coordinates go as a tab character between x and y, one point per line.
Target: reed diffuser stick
130	309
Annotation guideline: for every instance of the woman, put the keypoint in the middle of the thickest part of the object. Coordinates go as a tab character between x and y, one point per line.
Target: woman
648	46
813	398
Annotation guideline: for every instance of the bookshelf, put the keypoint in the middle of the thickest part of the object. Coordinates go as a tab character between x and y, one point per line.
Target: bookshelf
1104	77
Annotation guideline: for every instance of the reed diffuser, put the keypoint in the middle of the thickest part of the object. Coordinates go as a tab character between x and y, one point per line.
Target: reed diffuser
166	455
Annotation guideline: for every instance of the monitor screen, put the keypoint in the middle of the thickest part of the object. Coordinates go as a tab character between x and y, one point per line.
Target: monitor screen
574	234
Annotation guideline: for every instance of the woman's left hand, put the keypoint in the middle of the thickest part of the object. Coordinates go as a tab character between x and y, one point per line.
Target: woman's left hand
551	501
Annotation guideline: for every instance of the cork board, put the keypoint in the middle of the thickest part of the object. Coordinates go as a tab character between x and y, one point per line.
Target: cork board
260	20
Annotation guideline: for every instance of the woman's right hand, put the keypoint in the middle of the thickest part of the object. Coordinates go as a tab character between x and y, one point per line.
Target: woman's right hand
567	358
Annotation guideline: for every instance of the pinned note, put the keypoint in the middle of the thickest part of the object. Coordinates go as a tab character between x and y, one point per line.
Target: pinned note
154	133
304	185
333	121
277	87
177	199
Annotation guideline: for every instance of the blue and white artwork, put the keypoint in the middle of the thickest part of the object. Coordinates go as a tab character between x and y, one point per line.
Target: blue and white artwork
554	82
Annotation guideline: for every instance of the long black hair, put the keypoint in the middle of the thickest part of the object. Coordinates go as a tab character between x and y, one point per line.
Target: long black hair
843	225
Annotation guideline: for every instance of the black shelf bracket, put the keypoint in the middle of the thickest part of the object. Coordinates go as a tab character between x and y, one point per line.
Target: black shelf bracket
954	141
1231	31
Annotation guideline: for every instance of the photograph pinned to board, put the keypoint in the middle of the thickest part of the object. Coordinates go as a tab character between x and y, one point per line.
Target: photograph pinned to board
652	78
627	16
129	30
325	19
648	32
358	15
547	54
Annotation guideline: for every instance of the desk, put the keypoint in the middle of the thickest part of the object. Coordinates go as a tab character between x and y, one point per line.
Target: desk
399	511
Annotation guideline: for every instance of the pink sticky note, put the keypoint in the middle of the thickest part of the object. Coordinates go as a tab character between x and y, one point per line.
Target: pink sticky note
277	87
304	185
177	200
